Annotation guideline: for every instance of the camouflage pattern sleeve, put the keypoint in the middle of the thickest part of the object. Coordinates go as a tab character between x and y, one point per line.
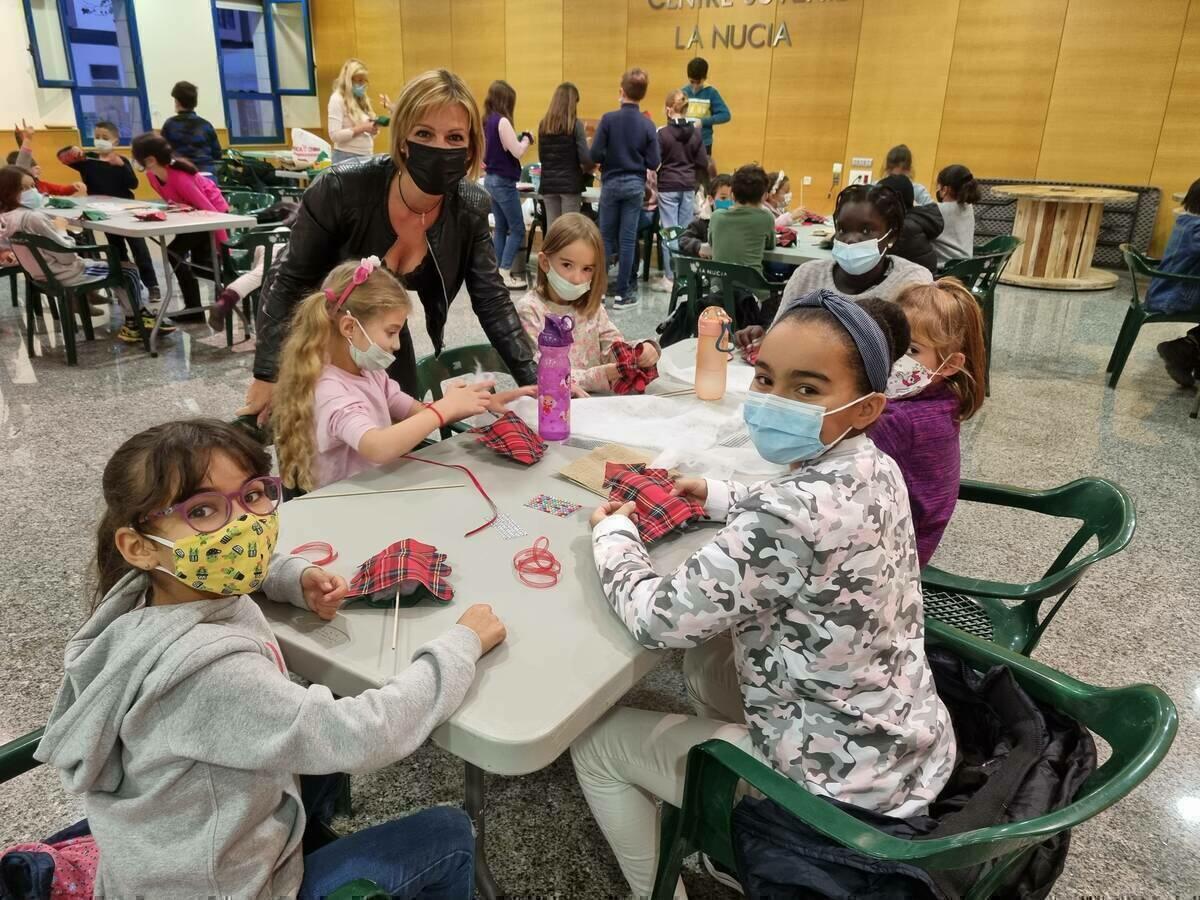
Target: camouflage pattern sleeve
756	562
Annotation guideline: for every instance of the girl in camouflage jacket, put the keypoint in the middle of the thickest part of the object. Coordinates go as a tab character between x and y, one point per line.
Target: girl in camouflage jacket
814	576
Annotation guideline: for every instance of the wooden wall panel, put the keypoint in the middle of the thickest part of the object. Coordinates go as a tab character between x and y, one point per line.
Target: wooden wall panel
381	45
1001	76
533	48
900	80
806	128
1177	163
1115	67
425	25
594	53
478	46
334	40
650	44
741	75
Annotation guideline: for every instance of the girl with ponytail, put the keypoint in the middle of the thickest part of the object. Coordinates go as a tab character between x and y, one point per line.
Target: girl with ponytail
957	194
336	411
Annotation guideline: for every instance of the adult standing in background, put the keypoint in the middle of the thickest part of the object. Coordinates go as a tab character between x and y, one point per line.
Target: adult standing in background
415	209
352	124
564	154
704	101
625	146
502	161
190	136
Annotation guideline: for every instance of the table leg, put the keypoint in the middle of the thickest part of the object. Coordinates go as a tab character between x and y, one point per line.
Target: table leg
474	802
166	295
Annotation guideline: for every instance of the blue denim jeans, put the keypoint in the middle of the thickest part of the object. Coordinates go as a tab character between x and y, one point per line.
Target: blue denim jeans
674	208
510	223
620	211
430	854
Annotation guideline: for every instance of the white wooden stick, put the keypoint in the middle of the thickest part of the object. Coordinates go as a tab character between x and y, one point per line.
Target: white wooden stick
396	620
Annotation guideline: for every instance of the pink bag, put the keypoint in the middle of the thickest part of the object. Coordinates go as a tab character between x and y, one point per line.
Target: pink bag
75	862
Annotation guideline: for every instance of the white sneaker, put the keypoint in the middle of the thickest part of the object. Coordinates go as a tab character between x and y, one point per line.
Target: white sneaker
663	285
514	282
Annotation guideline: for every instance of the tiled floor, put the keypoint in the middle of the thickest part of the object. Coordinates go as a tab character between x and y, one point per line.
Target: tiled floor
1050	419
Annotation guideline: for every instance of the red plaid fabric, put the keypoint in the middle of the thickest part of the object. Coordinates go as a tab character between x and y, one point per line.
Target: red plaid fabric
784	236
408	561
658	512
510	436
633	380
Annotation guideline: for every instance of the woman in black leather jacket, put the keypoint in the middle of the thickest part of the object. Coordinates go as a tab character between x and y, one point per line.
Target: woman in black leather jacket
417	212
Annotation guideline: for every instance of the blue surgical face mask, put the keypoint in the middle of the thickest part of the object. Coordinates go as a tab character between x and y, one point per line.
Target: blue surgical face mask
374	358
860	258
787	431
360	90
722	204
31	199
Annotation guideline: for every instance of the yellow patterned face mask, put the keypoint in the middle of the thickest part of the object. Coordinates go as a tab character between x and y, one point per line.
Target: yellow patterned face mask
232	560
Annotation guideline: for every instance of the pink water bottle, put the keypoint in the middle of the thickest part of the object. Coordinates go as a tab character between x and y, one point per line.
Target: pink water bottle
712	356
554	378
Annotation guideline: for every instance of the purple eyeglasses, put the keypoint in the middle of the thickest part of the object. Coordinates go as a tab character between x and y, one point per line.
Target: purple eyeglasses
210	511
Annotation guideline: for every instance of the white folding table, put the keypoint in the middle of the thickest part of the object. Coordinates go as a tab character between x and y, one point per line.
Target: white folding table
807	246
121	222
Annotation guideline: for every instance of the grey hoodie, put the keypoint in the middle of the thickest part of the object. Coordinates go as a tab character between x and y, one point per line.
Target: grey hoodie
181	730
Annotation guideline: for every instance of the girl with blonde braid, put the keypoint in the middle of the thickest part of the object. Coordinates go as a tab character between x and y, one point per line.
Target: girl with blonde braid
336	411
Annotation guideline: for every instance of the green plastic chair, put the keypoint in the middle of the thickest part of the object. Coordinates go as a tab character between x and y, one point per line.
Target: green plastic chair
16	758
1137	315
240	172
433	370
669	236
981	273
63	298
1006	613
237	258
728	279
1138	722
249	203
11	273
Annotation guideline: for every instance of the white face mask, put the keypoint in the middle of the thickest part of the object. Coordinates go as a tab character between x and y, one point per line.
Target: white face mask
909	377
565	290
374	358
787	199
103	146
31	199
860	258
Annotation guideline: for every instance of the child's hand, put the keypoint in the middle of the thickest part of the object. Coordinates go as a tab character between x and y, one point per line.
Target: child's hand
461	401
612	374
80	188
751	334
695	488
498	402
614	508
649	357
481	620
577	392
323	592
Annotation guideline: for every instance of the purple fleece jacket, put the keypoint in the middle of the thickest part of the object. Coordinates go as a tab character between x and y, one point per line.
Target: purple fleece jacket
920	433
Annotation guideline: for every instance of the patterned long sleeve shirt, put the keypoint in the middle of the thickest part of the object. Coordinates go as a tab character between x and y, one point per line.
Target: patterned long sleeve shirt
591	352
815	574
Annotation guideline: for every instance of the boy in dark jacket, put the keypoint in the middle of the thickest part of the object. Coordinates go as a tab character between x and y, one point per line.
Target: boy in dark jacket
683	154
694	240
921	225
190	136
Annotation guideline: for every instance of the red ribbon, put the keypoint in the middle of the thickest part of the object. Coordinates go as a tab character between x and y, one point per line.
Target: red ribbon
330	553
536	566
474	481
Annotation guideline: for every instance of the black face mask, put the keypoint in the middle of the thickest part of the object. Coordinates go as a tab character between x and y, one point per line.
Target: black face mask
435	170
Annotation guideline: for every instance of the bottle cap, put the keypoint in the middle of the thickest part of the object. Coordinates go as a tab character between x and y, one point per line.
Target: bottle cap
557	331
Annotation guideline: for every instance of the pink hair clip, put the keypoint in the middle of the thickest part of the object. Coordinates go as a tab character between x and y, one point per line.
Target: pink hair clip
366	266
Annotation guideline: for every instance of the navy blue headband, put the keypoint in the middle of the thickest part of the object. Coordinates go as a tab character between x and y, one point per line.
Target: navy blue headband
863	330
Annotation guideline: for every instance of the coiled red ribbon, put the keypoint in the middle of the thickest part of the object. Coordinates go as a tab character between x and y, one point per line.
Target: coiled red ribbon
536	566
474	481
311	546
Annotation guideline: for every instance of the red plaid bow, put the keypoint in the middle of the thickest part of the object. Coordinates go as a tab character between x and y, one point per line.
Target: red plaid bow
632	380
378	579
510	436
658	511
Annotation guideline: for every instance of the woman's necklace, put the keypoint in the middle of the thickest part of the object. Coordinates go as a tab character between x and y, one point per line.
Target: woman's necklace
415	212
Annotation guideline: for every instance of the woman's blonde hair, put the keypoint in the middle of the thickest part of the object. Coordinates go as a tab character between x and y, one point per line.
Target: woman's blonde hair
945	316
357	107
435	88
566	230
306	352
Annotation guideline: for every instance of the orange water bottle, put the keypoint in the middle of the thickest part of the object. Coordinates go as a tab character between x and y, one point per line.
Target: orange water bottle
714	350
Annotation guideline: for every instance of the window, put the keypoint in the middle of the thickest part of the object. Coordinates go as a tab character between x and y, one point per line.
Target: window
90	46
264	50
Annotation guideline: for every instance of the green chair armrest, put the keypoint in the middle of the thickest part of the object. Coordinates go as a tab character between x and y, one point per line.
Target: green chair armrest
359	889
16	757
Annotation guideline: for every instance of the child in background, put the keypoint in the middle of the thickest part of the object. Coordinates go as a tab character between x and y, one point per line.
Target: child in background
814	576
177	723
778	201
683	155
900	162
562	138
108	174
694	240
336	410
705	103
20	211
503	149
23	157
190	136
742	234
957	194
571	281
932	390
922	225
1182	256
179	181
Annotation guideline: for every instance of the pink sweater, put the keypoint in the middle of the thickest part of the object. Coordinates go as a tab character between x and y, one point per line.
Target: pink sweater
347	407
195	191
